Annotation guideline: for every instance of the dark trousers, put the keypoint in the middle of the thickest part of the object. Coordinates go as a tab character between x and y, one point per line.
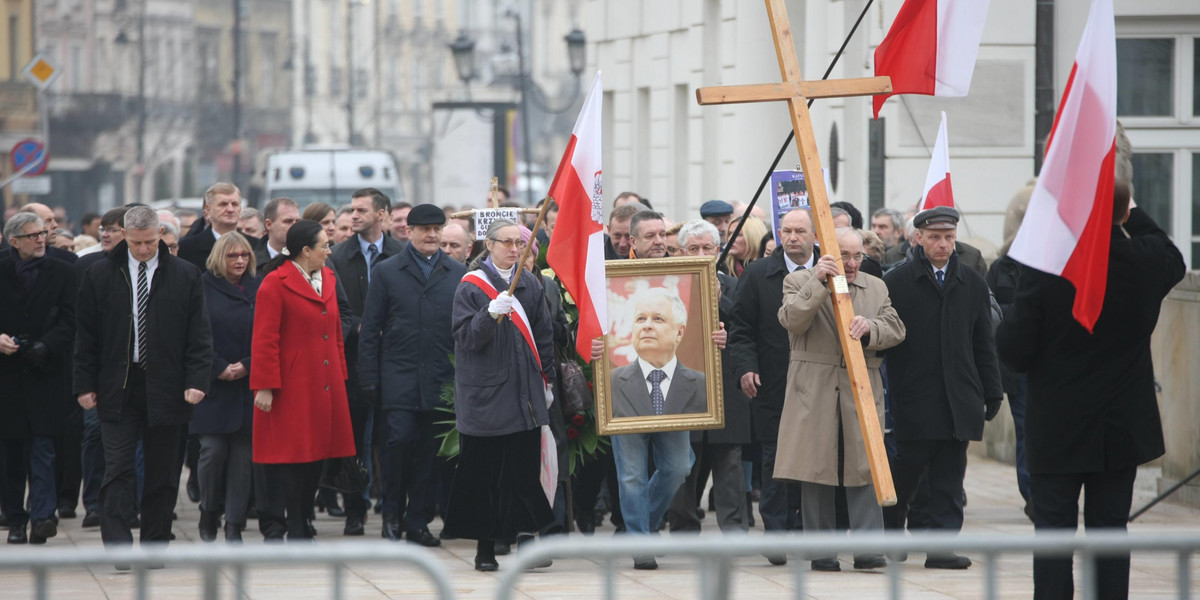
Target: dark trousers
778	498
269	501
119	490
31	460
1108	496
223	471
407	460
589	478
297	483
92	459
946	461
68	454
728	490
360	419
1016	404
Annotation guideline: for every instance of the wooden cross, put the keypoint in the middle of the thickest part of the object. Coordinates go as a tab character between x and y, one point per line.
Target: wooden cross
796	92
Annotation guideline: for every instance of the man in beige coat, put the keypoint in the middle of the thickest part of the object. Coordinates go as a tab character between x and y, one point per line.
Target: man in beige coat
819	412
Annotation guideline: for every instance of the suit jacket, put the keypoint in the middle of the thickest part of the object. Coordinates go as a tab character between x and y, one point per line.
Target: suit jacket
631	399
348	262
179	355
196	248
1091	404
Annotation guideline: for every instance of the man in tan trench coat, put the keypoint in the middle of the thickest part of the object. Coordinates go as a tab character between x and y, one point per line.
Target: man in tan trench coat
818	412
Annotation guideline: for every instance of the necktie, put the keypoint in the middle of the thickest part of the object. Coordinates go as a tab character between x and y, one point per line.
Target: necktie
798	268
143	297
657	400
941	277
372	254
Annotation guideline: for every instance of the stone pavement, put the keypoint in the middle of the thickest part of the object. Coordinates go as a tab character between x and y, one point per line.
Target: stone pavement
994	507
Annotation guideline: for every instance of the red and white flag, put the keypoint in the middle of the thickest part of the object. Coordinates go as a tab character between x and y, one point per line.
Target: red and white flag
576	250
1069	220
931	48
937	181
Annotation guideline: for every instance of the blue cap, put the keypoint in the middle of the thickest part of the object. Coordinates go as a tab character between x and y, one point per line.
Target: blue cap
715	208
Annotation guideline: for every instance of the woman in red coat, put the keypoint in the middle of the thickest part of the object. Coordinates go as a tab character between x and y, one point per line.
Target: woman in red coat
299	374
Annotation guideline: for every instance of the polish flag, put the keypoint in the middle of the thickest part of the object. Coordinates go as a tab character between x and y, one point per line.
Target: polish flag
937	181
931	48
576	250
1069	220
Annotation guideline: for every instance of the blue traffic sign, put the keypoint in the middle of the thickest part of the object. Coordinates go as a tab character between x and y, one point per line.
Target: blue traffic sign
29	152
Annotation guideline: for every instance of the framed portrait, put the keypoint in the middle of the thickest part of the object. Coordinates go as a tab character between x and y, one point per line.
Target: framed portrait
660	370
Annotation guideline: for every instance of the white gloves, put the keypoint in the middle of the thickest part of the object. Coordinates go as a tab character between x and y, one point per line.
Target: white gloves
502	305
549	396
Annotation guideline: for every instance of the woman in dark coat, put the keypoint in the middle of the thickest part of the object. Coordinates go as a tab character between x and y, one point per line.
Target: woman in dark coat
501	398
224	420
299	375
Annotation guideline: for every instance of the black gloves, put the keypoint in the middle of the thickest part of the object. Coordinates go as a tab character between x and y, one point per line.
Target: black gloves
991	408
369	395
33	354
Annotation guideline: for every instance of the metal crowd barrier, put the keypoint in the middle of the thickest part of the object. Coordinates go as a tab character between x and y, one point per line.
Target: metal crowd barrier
715	554
211	559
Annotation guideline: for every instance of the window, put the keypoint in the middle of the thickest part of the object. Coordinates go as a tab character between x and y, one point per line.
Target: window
266	95
14	33
1153	173
1195	211
1146	70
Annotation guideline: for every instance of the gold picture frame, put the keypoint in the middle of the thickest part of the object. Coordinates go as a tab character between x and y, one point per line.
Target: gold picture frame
641	291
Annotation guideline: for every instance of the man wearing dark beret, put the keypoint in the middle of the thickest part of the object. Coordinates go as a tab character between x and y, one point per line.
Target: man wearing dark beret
720	214
404	360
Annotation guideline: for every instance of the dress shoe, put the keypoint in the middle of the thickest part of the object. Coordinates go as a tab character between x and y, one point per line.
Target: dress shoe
193	488
869	561
776	559
392	530
336	511
645	563
486	563
354	526
66	512
947	561
16	535
42	530
503	548
826	564
233	533
424	538
209	520
90	519
310	528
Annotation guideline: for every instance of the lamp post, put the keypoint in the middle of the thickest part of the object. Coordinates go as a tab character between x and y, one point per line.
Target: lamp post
139	172
463	50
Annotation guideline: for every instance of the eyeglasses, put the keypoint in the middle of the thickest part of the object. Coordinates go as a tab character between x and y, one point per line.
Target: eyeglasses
34	235
705	249
326	246
510	244
237	256
852	257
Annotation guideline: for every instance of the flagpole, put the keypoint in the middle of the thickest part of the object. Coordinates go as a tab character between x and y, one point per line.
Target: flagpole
787	143
512	287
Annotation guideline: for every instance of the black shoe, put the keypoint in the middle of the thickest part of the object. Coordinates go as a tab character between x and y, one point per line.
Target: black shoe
826	564
1029	511
523	541
776	559
875	561
503	548
66	512
90	519
42	530
209	520
645	563
486	563
354	526
392	530
750	509
16	535
311	529
947	561
586	527
193	488
424	538
336	511
233	533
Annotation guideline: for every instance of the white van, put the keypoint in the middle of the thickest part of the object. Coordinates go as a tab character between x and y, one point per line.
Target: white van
328	174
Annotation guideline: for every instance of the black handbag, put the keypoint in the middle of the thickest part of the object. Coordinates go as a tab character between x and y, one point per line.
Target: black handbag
347	475
577	396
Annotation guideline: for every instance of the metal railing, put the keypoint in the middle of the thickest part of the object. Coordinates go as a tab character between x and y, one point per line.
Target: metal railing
715	554
210	560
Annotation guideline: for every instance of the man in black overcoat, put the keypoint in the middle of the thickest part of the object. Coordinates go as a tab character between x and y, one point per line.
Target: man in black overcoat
760	355
353	261
941	378
143	357
37	321
404	360
1092	415
223	207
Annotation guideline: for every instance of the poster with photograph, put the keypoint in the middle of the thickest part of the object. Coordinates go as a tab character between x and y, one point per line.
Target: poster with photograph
789	191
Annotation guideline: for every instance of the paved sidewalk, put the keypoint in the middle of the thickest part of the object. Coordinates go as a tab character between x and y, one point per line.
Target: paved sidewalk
994	507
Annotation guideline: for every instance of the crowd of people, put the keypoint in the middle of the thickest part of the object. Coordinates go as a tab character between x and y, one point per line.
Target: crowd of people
294	354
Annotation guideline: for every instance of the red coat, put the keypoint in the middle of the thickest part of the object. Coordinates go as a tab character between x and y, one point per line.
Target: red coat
298	353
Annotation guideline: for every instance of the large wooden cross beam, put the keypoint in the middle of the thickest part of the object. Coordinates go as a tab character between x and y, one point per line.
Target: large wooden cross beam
796	92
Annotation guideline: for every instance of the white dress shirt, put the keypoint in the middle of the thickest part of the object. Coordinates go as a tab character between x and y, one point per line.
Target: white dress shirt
151	266
791	265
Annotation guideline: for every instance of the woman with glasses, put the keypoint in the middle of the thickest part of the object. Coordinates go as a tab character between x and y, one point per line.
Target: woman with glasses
501	397
223	421
299	375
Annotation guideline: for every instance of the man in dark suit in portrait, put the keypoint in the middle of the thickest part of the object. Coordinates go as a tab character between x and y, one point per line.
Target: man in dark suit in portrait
658	324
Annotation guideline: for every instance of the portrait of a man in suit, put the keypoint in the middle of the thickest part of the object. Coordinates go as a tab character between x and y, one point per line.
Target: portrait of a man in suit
656	383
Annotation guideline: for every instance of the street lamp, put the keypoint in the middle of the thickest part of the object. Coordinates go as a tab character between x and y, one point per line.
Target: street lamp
463	50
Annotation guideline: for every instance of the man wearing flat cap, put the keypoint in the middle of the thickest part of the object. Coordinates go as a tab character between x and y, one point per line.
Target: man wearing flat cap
720	214
404	360
944	377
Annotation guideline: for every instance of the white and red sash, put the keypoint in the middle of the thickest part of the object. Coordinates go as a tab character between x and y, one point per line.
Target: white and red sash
519	317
